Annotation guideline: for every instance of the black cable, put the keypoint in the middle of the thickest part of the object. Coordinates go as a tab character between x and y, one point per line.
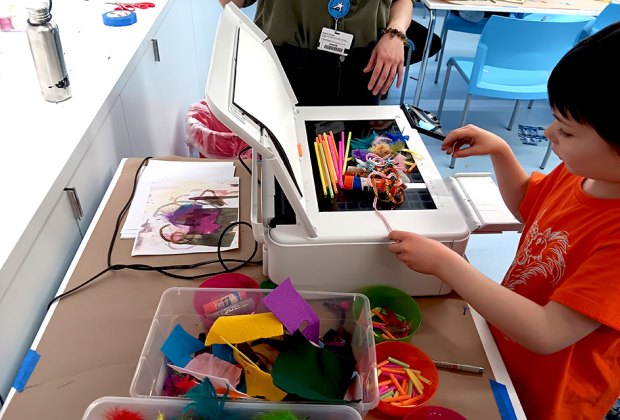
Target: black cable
243	163
75	289
166	268
1	401
125	208
241	160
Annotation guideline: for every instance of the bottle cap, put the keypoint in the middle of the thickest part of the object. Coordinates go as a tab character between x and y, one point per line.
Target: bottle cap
38	12
37	4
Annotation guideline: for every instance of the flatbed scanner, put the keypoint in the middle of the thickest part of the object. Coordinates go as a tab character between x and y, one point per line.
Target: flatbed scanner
340	243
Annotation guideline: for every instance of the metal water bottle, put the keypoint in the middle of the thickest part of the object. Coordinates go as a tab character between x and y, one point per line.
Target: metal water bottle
46	49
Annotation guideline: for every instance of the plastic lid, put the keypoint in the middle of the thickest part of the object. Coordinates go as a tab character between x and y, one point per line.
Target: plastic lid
249	92
38	12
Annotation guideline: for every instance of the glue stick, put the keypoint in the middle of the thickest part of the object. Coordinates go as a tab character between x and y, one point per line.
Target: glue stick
246	306
223	302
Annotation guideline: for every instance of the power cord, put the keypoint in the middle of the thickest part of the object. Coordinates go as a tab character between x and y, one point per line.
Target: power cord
243	163
165	269
247	168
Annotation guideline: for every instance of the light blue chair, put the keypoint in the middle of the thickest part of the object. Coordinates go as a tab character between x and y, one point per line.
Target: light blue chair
610	14
589	20
558	18
453	22
513	61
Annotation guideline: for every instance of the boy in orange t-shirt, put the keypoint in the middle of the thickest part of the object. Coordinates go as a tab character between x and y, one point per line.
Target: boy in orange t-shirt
555	317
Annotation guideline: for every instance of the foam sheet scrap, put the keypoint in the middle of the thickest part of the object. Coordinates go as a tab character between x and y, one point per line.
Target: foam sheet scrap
180	346
243	328
266	353
259	383
222	351
292	310
206	364
311	372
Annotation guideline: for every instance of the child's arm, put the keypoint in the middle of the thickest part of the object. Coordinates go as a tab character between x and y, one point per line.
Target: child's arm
511	178
541	329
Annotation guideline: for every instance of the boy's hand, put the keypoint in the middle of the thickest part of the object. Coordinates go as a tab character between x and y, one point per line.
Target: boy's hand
418	253
476	141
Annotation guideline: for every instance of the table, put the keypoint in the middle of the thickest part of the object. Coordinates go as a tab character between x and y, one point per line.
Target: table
90	342
551	7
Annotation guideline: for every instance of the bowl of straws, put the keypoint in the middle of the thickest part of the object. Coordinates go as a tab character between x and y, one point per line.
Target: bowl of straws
395	315
408	378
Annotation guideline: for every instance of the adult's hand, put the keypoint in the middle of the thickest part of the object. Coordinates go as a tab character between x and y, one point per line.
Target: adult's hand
386	63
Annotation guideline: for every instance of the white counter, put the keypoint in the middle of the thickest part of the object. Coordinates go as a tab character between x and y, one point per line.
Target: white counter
42	142
124	103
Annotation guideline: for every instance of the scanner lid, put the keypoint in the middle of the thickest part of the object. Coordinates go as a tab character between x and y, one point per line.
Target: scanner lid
482	204
249	92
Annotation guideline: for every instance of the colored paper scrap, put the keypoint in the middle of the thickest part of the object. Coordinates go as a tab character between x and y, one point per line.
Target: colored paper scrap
259	383
180	345
25	370
208	365
243	328
292	310
219	383
311	372
222	351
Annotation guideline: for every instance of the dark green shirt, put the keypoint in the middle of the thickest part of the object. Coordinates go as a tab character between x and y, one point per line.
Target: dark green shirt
299	22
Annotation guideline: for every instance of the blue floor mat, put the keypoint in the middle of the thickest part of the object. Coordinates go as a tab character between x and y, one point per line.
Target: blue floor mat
532	135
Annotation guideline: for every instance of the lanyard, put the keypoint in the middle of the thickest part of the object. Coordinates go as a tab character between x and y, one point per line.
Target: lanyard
338	9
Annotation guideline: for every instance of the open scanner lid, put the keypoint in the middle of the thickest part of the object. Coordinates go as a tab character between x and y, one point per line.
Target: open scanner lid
249	92
481	203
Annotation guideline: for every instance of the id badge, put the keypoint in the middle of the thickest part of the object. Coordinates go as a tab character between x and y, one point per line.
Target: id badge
335	41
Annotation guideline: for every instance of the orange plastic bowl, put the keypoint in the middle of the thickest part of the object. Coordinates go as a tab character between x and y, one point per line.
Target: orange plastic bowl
417	360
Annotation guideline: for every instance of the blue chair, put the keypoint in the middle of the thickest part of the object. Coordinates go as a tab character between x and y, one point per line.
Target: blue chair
557	18
610	14
513	60
454	22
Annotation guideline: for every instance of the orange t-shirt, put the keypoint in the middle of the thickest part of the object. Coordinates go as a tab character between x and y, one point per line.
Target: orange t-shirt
569	252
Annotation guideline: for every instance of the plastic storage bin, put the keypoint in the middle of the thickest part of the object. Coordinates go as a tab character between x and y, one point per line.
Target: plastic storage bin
151	407
177	306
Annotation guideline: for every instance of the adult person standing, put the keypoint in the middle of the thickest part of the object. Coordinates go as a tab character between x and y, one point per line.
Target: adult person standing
337	52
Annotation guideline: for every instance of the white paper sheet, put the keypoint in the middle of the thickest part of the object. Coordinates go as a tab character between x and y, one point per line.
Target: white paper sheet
189	216
158	170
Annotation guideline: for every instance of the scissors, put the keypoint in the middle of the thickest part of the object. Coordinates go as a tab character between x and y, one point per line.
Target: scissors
133	6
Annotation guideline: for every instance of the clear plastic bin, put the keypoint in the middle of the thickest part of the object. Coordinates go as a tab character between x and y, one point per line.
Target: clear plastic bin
179	306
149	408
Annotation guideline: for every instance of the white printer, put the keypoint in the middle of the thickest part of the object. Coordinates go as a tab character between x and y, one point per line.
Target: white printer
337	244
